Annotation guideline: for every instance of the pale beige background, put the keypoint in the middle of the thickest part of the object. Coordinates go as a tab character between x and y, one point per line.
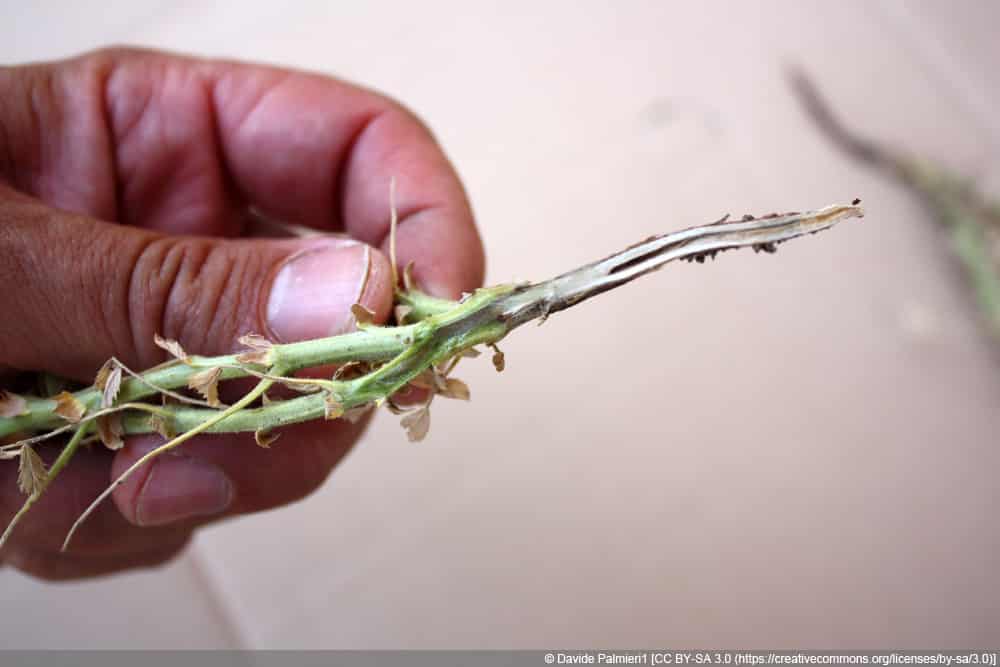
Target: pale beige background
650	470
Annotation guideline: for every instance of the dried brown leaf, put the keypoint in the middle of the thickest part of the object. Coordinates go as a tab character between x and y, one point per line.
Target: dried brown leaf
31	472
394	408
356	414
351	369
362	315
171	346
470	352
258	357
109	381
12	405
455	388
69	407
301	386
408	281
265	438
103	372
256	341
333	409
206	383
499	362
162	425
260	350
425	380
110	429
417	424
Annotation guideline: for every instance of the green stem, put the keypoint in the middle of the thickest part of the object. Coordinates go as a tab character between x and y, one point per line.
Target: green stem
445	328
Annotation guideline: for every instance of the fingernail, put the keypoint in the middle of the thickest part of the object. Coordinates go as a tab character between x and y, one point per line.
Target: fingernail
312	293
180	487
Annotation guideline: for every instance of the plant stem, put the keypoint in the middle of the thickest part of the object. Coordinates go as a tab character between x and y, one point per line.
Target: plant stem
972	220
444	329
490	314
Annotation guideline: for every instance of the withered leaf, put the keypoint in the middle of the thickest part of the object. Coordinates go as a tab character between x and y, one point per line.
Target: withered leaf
498	359
455	388
362	315
394	408
258	357
206	383
171	346
109	381
265	438
355	414
102	374
69	407
12	405
110	428
162	425
260	350
408	282
425	380
352	369
256	341
31	472
470	352
333	409
301	386
417	424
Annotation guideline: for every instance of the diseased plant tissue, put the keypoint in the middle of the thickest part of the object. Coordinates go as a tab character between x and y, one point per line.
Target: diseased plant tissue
180	398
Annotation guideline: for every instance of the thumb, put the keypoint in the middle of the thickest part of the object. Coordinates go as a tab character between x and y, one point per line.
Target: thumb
76	291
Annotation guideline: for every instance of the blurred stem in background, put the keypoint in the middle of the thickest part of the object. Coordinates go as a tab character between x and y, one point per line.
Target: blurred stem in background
969	216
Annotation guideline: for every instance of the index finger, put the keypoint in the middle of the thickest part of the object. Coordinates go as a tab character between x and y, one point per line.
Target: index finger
304	148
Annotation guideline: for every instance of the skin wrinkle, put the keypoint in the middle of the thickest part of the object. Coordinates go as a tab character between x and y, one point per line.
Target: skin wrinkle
181	301
104	73
126	294
256	288
332	219
164	160
236	224
216	110
142	301
344	168
221	282
15	84
37	139
122	131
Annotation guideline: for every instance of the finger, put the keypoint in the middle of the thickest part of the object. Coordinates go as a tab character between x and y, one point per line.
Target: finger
87	290
184	145
306	149
228	473
106	535
56	566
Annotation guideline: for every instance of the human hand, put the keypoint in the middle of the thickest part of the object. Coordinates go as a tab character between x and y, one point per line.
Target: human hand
126	185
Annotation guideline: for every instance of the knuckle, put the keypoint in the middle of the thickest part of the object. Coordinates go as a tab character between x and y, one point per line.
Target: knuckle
195	291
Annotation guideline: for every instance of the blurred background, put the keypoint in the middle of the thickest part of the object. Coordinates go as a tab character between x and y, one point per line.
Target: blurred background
760	452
